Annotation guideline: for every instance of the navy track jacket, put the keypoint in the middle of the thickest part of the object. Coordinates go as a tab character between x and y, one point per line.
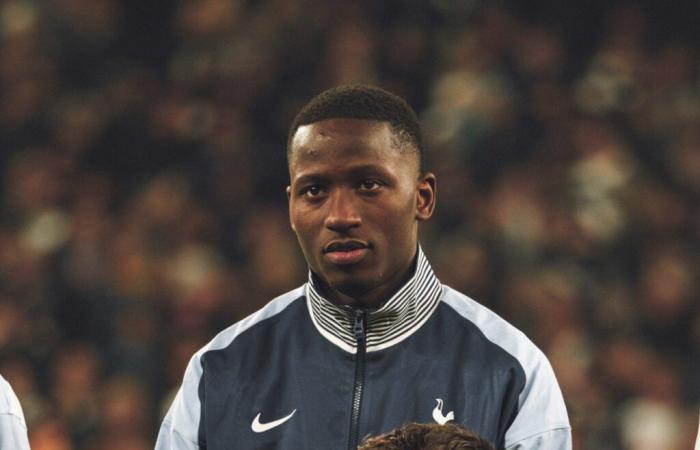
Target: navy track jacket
303	373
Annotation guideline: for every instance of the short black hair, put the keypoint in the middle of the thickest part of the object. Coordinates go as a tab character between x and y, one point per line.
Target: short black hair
363	102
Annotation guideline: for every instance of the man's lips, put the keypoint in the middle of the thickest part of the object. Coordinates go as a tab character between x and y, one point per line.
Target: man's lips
345	252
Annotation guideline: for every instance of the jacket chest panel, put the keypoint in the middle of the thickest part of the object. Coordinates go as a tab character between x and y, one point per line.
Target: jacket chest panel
434	390
297	406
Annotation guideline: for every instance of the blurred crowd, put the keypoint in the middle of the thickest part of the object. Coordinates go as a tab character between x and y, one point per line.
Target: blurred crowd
142	177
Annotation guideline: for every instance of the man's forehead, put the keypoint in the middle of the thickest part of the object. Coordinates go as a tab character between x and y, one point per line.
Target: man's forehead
338	136
328	128
341	138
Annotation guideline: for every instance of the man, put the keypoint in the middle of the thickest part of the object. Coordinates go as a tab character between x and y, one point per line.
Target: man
417	436
13	430
373	340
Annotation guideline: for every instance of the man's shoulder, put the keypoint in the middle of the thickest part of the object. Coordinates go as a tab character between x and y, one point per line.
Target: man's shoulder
540	403
495	328
272	309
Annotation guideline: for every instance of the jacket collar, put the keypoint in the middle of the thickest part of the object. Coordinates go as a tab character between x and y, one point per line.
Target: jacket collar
397	318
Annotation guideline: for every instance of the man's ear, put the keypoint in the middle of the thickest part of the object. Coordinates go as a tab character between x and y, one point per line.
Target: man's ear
289	198
425	196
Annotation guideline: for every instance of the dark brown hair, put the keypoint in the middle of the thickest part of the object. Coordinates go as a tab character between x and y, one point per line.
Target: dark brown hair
416	436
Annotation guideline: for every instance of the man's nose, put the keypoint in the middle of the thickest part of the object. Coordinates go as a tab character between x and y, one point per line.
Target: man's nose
342	212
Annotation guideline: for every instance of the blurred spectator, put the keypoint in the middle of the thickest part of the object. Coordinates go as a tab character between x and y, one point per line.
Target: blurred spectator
50	434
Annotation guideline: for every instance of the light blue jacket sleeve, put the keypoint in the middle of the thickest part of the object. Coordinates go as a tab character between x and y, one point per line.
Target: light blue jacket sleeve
180	427
13	429
542	422
559	439
170	439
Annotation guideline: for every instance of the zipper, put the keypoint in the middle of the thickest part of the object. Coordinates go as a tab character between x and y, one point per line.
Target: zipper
360	335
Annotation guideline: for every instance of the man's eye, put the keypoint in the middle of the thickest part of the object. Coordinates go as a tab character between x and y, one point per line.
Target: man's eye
312	191
370	185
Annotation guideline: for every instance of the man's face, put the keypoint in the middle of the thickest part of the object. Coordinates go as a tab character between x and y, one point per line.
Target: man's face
355	200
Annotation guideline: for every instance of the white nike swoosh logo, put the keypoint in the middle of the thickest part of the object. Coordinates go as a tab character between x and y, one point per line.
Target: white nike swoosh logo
262	427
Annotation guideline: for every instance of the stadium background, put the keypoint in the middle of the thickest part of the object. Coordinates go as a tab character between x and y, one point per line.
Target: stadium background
142	176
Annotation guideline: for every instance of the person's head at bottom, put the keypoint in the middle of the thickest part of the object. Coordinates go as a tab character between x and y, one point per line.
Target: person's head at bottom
417	436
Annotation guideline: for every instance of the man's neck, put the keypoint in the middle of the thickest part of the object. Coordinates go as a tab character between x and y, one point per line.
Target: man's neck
372	298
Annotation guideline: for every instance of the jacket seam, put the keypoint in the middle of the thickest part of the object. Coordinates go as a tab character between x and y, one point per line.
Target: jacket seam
16	417
176	431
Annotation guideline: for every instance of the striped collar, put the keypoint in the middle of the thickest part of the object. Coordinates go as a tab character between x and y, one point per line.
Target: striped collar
398	318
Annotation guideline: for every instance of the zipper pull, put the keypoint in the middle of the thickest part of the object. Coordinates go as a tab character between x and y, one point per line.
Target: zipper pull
359	326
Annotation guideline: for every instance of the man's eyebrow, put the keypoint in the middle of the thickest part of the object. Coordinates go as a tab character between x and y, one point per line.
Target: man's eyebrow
313	176
351	171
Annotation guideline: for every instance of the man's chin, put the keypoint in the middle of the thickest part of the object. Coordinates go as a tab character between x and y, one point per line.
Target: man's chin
352	290
351	287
